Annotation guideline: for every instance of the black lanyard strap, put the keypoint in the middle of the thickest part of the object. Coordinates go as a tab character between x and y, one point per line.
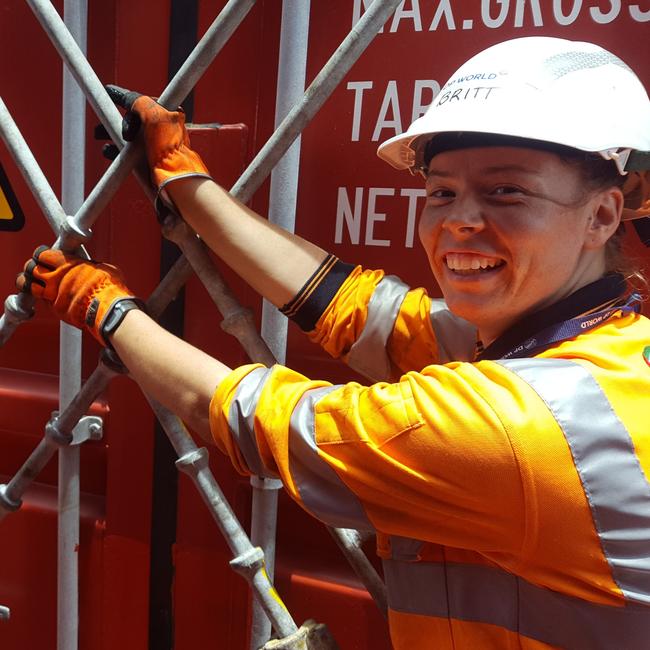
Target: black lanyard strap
583	310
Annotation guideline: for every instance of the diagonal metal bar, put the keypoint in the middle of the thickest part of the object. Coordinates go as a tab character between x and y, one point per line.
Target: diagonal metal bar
248	560
17	309
20	307
205	51
339	64
12	493
237	320
30	170
349	541
70	52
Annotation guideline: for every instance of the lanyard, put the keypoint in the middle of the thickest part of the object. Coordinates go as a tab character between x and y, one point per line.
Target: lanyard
569	328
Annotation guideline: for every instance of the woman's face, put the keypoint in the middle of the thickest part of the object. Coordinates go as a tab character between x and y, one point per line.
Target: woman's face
509	230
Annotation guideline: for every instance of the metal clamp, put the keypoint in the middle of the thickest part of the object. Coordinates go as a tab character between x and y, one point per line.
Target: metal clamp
89	427
263	483
55	434
16	311
248	563
6	502
73	234
193	461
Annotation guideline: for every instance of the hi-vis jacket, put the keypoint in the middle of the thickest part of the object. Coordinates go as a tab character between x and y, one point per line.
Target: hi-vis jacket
511	498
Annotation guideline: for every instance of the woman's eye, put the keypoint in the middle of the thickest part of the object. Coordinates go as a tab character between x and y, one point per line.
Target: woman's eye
505	190
440	193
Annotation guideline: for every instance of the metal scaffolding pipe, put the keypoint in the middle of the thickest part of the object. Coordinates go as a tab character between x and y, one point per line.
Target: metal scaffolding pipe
30	170
237	321
264	514
248	560
349	541
73	151
315	96
203	54
12	493
73	55
18	308
292	66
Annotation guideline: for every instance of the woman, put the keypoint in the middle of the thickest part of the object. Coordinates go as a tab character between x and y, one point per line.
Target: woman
503	455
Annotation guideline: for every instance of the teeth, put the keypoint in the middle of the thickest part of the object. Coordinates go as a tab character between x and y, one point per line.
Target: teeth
468	261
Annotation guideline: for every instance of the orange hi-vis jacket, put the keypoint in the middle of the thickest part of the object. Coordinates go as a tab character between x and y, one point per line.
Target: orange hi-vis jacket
511	498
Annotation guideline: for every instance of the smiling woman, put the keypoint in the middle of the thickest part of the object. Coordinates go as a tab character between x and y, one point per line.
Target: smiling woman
500	449
510	228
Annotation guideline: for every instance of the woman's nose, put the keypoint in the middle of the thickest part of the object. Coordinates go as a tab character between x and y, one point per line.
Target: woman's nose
464	217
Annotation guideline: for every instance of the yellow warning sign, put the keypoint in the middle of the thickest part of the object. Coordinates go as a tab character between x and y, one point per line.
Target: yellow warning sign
11	216
5	209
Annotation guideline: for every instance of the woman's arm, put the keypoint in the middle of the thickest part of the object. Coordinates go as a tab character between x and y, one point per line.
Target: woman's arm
176	374
274	262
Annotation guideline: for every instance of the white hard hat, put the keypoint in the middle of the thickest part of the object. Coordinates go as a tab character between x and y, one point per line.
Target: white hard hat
540	88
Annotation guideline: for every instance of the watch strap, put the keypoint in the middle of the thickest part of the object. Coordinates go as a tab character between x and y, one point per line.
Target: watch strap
115	315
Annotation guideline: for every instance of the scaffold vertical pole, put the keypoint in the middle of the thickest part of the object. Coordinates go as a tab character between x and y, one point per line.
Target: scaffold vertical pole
72	196
292	65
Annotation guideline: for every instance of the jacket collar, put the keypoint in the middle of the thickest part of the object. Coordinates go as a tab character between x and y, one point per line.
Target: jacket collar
606	291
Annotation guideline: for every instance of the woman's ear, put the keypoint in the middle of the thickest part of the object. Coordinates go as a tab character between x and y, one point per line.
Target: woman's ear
607	208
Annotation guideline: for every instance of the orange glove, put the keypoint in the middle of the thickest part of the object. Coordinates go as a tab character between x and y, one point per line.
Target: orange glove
166	140
83	293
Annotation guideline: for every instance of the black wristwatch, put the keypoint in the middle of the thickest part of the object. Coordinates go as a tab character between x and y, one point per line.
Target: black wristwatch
116	315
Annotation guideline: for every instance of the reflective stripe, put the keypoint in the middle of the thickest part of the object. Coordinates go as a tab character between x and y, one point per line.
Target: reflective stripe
321	490
368	353
241	419
613	480
456	338
489	595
